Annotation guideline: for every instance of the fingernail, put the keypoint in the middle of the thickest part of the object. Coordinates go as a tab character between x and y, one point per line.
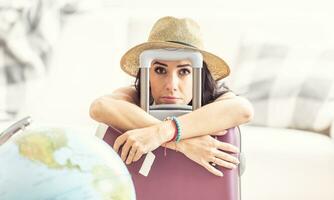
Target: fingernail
221	174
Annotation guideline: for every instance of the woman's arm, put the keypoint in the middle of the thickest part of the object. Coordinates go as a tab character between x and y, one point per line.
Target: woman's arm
222	114
120	110
217	116
103	110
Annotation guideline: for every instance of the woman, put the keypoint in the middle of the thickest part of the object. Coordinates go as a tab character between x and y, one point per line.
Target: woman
171	83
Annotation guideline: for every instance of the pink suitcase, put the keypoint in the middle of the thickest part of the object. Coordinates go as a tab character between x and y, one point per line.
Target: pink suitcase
174	176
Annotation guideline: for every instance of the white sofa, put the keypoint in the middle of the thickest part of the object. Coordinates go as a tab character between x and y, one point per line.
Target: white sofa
287	164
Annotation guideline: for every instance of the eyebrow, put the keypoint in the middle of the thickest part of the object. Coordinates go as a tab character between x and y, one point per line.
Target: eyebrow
156	62
184	65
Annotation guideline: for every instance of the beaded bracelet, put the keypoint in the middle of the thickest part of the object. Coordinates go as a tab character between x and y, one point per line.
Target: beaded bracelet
177	135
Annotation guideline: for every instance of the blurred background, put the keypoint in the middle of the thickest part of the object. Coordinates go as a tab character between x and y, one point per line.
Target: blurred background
57	56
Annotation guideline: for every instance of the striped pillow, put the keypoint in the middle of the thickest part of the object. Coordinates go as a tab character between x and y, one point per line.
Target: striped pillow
290	86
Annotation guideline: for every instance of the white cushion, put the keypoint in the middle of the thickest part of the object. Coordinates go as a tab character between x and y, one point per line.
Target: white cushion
287	164
289	82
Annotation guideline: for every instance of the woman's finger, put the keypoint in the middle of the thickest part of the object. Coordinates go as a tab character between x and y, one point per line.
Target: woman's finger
227	157
125	149
131	155
138	155
227	147
224	163
211	169
119	142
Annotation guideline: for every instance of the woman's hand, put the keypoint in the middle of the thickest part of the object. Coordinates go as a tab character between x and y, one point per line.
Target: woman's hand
140	141
205	150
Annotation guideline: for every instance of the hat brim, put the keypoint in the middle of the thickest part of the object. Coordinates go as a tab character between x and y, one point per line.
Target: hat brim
130	60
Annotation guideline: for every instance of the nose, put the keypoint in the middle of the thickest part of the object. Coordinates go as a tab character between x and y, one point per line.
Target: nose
172	82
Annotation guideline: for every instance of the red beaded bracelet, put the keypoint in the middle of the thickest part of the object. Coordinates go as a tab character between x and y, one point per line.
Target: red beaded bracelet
175	133
174	137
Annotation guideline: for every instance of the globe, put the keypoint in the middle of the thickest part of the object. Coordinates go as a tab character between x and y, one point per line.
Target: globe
61	163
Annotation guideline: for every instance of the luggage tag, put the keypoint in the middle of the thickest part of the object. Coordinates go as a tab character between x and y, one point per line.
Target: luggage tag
149	157
147	164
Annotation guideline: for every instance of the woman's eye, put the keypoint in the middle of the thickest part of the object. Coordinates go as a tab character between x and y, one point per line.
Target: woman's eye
160	70
184	72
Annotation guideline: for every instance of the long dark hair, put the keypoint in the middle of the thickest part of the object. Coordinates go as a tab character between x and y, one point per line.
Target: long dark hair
210	88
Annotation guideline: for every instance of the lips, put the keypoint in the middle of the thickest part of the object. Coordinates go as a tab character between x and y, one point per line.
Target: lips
169	99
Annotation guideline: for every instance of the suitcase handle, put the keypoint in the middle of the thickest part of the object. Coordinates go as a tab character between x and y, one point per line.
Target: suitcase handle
145	60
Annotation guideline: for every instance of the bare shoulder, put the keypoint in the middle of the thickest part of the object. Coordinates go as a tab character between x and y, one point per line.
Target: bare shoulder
128	93
227	95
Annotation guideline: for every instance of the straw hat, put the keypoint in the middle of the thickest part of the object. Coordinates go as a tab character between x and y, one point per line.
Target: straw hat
171	32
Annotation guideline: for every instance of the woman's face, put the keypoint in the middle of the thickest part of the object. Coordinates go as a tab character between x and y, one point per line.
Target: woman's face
171	81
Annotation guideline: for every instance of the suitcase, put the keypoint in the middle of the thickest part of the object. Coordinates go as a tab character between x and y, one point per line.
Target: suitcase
174	176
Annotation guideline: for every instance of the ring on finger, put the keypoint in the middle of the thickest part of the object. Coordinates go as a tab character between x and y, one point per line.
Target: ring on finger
214	162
